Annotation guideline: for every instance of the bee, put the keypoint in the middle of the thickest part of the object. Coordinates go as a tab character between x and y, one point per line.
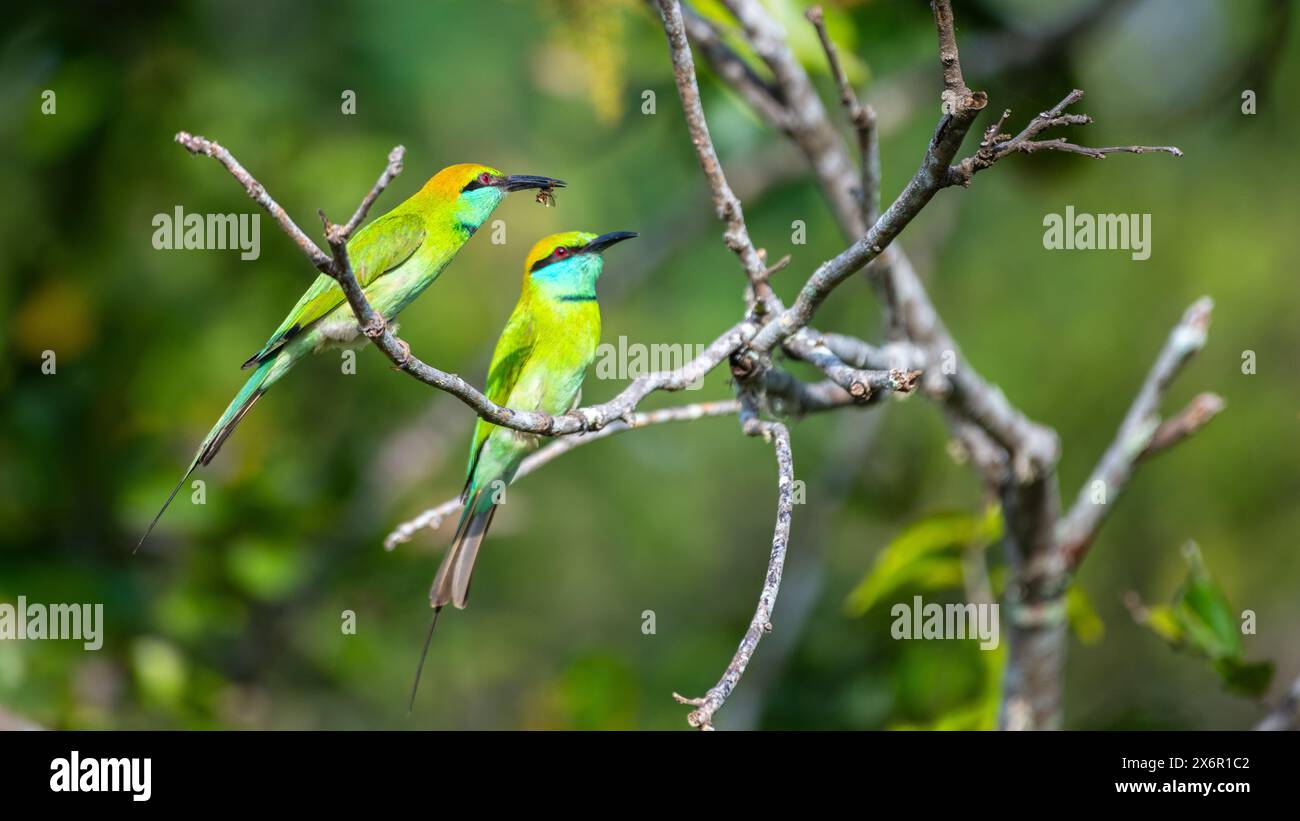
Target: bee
546	196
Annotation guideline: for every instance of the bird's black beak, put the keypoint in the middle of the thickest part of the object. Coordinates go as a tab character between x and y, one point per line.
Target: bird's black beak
603	241
523	182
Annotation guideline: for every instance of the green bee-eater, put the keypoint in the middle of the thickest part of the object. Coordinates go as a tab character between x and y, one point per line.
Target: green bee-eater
538	365
394	258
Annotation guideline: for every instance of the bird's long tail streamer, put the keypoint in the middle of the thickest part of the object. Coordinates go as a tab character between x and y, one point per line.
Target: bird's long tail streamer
424	654
253	389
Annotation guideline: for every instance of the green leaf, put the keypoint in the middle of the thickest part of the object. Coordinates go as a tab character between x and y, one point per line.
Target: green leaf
1085	622
1243	677
1202	621
910	560
973	716
934	573
1203	612
1164	623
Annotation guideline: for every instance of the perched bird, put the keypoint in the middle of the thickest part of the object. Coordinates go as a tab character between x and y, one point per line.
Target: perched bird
394	258
538	365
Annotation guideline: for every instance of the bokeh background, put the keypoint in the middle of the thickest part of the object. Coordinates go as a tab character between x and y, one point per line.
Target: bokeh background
231	618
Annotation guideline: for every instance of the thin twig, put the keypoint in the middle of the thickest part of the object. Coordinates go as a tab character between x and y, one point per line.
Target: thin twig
861	384
705	708
961	107
802	116
996	145
390	173
724	199
863	118
927	181
954	84
1197	413
1137	433
757	92
859	354
434	516
790	396
200	145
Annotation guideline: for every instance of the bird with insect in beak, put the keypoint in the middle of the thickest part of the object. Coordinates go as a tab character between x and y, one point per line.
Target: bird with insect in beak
539	363
394	258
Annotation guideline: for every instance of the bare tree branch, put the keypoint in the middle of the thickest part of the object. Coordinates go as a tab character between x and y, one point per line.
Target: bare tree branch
1286	715
861	384
790	396
800	398
863	118
434	516
803	118
996	145
725	201
1016	456
1189	420
811	131
961	107
390	173
955	90
757	92
1137	434
705	707
199	145
857	384
909	309
1043	566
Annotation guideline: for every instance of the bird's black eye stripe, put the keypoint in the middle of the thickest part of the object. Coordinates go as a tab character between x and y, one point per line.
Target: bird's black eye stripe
556	256
482	180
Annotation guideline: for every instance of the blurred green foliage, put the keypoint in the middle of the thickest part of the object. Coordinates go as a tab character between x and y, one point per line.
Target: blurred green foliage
1203	622
233	617
920	556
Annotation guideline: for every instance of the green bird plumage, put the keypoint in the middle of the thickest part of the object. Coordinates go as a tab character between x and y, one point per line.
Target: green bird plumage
395	258
539	364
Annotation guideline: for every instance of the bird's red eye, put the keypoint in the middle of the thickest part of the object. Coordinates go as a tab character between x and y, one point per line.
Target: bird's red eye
561	252
485	178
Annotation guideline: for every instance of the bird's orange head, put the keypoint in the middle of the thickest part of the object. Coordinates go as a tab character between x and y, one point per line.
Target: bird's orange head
474	191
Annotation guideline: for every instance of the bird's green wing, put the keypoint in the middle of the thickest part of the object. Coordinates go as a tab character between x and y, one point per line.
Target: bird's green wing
513	350
379	248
